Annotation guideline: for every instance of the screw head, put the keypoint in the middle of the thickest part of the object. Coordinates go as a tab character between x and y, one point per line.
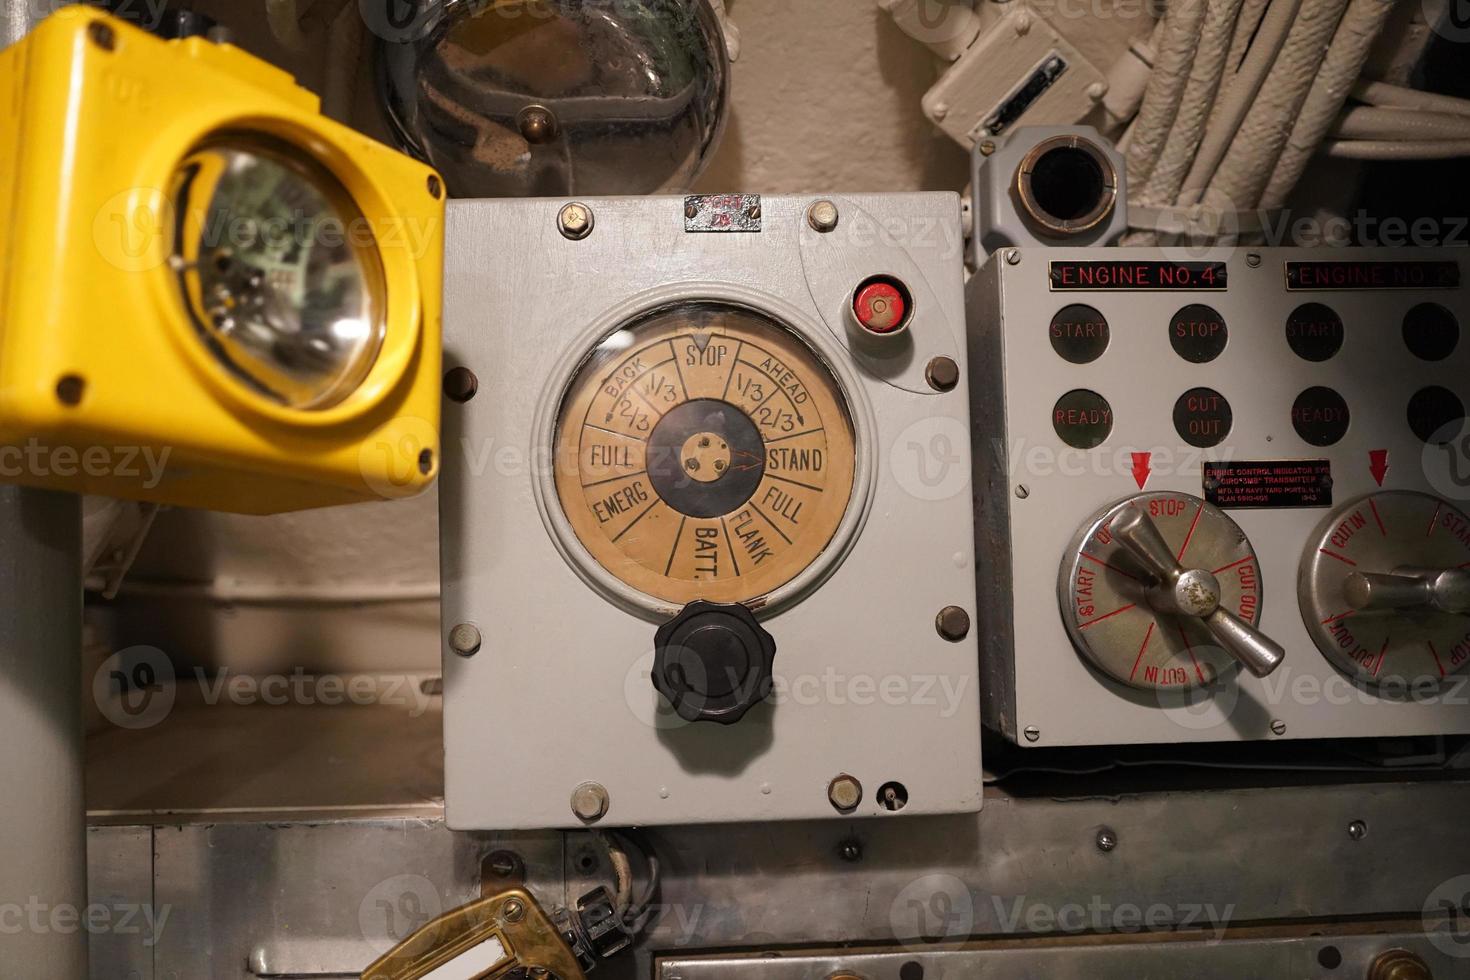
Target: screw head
953	623
102	35
503	864
576	221
823	216
987	147
753	212
1358	829
1013	256
691	211
1278	727
514	910
1253	260
465	639
1032	733
1022	491
845	793
943	374
460	384
537	124
590	802
850	850
1107	840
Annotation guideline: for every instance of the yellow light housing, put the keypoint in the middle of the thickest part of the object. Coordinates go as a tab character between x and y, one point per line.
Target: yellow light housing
210	294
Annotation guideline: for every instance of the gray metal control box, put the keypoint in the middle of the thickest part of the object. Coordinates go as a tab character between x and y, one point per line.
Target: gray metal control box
1287	426
682	433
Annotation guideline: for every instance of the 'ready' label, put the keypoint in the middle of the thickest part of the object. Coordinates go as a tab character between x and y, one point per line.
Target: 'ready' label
1283	483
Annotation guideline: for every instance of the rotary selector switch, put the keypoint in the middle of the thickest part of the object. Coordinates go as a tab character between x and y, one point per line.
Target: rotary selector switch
713	662
1385	588
1162	591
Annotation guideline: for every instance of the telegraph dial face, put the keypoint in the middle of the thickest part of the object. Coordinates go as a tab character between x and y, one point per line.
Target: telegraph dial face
704	452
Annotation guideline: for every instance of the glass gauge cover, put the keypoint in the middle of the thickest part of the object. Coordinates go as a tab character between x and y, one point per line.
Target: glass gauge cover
704	452
279	271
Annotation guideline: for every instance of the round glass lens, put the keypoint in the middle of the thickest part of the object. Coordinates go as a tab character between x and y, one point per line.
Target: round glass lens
279	270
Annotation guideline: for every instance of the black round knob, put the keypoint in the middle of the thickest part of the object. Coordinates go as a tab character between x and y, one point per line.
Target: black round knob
712	662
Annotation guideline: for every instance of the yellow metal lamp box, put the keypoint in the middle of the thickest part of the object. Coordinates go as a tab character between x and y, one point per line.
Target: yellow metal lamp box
210	294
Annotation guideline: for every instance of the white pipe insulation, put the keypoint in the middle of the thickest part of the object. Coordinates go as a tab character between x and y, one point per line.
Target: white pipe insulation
1360	27
1205	77
1238	95
1177	44
1241	178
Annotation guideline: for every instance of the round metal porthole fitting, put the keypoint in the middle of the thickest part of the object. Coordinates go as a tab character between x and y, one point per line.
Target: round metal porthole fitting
1066	185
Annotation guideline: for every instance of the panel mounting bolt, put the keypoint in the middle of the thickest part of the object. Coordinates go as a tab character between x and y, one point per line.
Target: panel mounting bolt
1399	964
1278	727
465	640
1013	257
576	221
513	910
953	623
823	216
943	374
1253	260
1357	830
460	384
1033	734
1107	839
590	802
845	793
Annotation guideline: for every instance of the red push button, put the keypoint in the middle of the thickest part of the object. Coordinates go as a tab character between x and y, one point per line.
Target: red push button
880	307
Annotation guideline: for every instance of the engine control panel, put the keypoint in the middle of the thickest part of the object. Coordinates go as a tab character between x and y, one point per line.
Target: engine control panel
708	508
1222	496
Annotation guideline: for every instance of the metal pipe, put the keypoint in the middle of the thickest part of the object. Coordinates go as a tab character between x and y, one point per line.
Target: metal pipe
43	832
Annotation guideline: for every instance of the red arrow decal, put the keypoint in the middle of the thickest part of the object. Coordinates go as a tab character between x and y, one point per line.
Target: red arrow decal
1378	464
1141	468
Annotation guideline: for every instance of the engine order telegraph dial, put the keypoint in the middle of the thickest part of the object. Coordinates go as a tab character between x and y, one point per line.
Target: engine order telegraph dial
1162	592
1385	588
704	452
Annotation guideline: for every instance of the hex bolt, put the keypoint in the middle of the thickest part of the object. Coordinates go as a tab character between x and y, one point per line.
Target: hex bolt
465	640
1278	727
845	793
1107	840
514	910
460	384
1013	256
1399	964
1358	829
1032	733
953	623
576	221
823	216
590	802
943	374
